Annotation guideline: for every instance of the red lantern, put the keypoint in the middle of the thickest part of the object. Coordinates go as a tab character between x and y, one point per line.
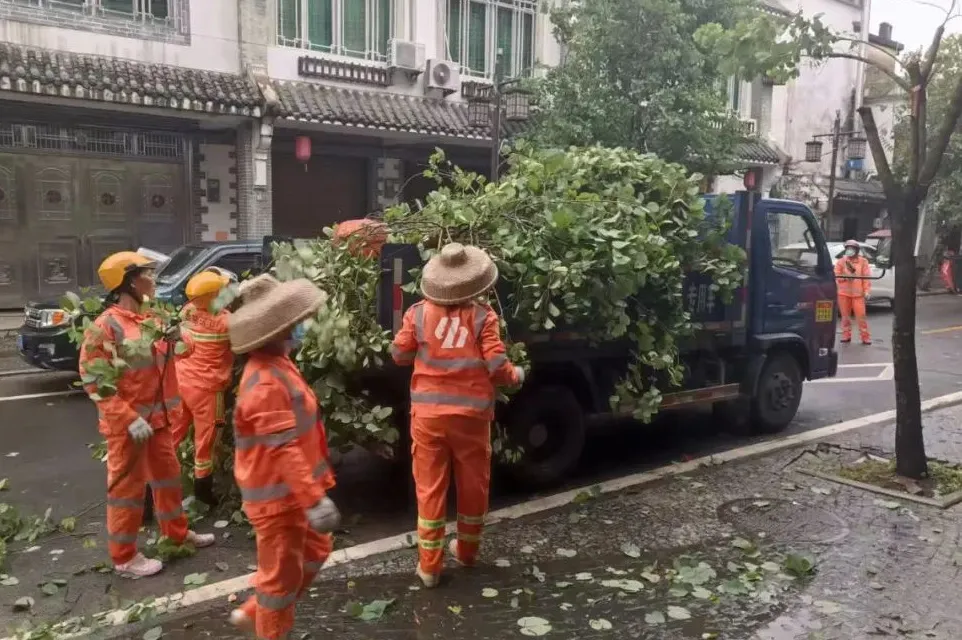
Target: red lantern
749	180
302	150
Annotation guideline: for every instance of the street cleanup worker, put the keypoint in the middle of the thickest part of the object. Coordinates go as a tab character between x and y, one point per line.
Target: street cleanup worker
364	236
204	373
281	461
851	273
138	404
454	342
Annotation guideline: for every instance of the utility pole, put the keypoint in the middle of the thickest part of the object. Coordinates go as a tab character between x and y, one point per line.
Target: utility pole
496	117
836	135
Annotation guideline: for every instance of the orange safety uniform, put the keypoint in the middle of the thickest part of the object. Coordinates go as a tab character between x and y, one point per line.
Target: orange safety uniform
851	294
363	236
147	388
204	374
281	466
458	359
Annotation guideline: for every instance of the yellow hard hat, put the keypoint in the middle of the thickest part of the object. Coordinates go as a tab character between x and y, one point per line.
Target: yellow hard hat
113	269
206	283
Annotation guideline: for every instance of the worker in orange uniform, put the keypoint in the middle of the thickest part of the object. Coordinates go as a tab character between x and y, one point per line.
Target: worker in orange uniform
281	456
364	237
204	374
454	342
854	289
138	403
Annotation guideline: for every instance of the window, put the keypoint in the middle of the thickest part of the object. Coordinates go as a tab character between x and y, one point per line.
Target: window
107	8
793	243
355	28
735	95
165	20
475	30
239	263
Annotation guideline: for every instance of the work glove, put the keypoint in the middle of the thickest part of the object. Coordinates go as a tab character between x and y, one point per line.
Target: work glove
172	333
324	516
520	373
868	296
140	430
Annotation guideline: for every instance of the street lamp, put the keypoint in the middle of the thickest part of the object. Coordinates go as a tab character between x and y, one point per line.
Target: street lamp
495	105
813	153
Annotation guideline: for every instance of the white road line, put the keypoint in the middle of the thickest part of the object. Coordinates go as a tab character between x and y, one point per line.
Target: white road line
870	364
24	372
877	378
217	590
33	396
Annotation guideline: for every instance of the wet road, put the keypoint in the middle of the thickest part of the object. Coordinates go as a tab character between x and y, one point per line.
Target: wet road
44	453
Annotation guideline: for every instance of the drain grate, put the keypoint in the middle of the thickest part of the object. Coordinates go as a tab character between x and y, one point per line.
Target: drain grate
783	520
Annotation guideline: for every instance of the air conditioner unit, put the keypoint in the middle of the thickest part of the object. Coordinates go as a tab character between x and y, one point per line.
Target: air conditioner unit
444	75
406	56
750	126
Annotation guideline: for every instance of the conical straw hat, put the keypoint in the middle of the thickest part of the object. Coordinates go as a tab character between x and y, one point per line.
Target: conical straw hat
457	274
270	309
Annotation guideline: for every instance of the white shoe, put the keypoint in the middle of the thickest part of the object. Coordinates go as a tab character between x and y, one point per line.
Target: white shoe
200	540
453	550
139	566
241	620
429	580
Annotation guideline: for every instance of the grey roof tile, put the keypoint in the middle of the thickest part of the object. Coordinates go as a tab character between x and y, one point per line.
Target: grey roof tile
757	152
309	102
100	78
864	191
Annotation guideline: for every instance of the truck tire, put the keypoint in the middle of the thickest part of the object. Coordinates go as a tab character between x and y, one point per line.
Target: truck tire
548	424
778	394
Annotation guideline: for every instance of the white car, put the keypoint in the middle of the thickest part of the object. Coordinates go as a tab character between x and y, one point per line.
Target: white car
883	289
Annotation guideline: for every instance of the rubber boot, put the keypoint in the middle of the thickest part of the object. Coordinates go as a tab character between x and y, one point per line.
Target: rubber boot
149	506
204	490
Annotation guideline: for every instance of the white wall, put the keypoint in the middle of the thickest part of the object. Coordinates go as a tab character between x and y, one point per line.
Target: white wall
416	20
216	164
213	40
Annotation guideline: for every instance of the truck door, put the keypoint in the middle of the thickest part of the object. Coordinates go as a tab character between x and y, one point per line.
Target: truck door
799	285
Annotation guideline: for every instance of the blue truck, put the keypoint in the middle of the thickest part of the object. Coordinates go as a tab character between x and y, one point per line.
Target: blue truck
747	360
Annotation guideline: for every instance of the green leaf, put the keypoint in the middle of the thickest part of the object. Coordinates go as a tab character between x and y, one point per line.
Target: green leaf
49	589
655	618
798	566
195	579
678	613
370	612
154	633
4	484
532	626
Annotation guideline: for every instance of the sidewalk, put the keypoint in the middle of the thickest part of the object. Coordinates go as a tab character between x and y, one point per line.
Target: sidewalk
716	554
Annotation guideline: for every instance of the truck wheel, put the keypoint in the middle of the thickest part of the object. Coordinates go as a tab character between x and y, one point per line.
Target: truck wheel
778	395
548	424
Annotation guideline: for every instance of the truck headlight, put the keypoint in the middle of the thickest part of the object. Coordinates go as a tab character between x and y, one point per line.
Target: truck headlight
51	318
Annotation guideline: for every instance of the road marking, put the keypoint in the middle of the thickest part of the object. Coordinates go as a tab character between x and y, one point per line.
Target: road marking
219	590
886	374
942	330
24	372
49	394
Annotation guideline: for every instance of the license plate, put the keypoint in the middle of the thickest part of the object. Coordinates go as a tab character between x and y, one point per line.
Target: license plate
823	310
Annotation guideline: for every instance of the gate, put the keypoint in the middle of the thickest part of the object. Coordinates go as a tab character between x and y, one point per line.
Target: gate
65	204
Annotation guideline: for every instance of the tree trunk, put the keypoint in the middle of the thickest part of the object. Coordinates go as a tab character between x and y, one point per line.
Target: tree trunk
909	442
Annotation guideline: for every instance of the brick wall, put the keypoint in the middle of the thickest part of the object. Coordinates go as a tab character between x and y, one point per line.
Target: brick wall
254	207
215	176
387	183
256	24
177	31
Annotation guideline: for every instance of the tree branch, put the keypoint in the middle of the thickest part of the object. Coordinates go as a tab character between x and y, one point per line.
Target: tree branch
940	142
931	54
899	80
882	166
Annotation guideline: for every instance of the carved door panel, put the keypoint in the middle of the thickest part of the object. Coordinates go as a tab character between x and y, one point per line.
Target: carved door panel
162	205
109	191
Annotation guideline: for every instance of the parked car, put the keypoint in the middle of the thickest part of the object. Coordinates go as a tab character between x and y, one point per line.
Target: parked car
883	289
43	340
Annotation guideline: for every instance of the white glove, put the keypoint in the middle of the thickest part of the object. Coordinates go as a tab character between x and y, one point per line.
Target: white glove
520	372
324	516
140	430
868	296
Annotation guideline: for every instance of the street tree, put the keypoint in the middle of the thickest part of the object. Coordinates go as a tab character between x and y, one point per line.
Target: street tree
907	180
632	76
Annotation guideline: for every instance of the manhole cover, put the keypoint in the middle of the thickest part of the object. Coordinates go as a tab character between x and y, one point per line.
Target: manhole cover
783	521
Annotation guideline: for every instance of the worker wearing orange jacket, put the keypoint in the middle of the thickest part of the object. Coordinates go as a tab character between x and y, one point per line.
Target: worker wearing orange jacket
854	289
281	456
137	409
455	345
204	373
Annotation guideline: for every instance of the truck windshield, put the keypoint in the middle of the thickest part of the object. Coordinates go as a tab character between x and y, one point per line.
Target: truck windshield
180	263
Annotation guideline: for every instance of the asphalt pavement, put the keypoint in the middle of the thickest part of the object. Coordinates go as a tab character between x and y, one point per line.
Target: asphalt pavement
45	430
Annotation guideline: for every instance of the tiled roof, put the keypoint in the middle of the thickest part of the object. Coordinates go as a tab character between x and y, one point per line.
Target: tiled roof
758	152
867	191
774	6
104	79
308	102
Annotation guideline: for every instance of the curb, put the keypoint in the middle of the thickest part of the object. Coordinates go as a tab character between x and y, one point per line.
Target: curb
178	601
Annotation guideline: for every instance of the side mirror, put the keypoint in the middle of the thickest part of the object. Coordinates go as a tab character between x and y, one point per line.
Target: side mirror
883	262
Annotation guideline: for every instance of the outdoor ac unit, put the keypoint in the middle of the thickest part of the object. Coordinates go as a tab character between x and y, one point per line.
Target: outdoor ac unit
406	56
750	126
444	75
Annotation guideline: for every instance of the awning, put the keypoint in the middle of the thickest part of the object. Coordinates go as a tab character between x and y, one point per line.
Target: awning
28	70
858	191
757	152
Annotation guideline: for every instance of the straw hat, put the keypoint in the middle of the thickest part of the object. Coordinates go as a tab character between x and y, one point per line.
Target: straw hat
458	274
270	309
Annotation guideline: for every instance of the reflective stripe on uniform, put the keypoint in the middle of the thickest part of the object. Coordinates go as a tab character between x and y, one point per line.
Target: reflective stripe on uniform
204	466
122	538
419	323
145	410
424	523
320	469
430	544
277	439
480	313
125	503
404	357
166	483
265	493
496	362
275	602
452	364
471	402
469	537
208	337
476	520
304	421
170	515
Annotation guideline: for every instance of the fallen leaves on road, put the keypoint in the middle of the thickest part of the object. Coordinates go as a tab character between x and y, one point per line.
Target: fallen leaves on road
887	504
371	611
628	586
195	579
566	553
154	634
23	604
798	566
8	581
600	624
503	563
4	484
631	550
678	613
531	626
488	592
655	618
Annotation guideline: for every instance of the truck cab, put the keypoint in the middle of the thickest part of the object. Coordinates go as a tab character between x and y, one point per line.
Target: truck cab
43	340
